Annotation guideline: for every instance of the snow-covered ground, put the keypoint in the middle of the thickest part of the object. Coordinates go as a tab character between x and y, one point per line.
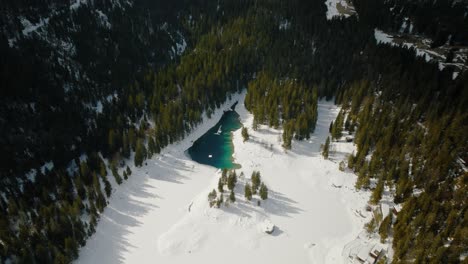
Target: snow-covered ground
161	214
337	8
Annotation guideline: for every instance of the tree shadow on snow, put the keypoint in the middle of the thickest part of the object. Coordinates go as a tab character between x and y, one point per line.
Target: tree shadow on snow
276	204
127	205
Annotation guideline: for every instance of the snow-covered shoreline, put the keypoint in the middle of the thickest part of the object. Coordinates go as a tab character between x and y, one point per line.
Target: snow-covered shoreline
161	214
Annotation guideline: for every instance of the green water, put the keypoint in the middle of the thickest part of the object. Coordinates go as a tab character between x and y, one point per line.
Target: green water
214	148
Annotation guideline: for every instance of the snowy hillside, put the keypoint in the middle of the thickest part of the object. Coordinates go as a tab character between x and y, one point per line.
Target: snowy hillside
162	214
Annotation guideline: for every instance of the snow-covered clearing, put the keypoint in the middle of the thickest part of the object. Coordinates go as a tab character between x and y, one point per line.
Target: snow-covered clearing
161	214
337	8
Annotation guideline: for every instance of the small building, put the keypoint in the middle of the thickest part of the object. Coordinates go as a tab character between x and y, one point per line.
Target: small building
363	254
369	254
376	251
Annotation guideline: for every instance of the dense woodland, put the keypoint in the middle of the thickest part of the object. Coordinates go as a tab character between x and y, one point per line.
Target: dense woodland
409	115
417	141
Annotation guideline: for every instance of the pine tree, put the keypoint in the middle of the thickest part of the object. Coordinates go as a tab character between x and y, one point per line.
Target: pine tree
245	134
220	185
151	147
351	161
385	227
111	140
232	196
255	123
288	134
232	180
248	192
140	153
107	187
263	191
125	146
84	170
326	148
338	126
212	197
102	169
116	175
219	201
377	192
255	178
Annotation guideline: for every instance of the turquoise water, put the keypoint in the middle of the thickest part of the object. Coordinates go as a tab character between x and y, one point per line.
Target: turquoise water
215	147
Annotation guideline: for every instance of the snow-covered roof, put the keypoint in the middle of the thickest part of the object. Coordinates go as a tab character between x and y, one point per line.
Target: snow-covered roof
364	252
376	250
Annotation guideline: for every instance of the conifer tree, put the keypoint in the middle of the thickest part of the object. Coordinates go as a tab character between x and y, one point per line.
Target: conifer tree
125	146
232	180
248	192
112	140
220	201
151	147
255	123
232	196
385	227
377	192
288	134
263	191
245	134
255	178
107	187
102	169
326	148
338	126
116	175
140	153
220	185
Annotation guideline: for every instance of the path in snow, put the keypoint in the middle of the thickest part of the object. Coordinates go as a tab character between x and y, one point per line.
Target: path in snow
164	217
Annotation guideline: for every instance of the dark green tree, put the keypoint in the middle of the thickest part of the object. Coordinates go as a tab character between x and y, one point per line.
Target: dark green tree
248	192
232	180
140	153
263	191
245	134
326	148
232	196
220	185
256	180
